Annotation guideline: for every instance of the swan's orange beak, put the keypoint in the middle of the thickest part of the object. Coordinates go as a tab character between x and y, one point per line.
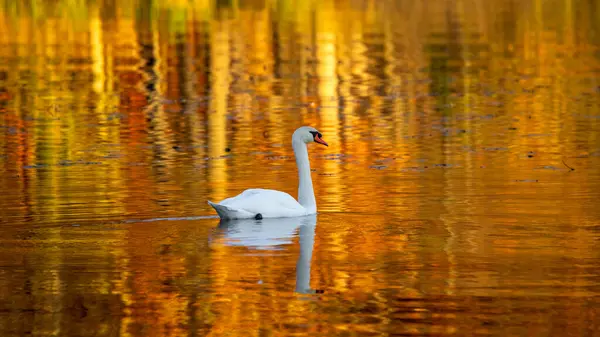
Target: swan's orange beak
320	140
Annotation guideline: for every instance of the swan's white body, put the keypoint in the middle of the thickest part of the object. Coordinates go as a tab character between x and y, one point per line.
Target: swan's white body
267	203
275	204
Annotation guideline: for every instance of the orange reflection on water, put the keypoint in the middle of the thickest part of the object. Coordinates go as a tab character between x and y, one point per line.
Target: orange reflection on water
445	203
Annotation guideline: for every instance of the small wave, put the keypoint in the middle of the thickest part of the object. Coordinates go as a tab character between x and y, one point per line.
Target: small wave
182	218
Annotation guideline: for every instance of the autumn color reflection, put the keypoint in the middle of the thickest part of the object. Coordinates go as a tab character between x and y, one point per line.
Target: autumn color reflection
446	200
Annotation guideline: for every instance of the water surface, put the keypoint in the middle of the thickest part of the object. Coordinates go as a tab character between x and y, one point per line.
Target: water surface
458	196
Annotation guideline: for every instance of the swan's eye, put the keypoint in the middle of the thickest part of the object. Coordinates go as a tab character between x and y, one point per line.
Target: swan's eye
316	134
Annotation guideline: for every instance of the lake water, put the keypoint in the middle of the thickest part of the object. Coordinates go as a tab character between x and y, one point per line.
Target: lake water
460	193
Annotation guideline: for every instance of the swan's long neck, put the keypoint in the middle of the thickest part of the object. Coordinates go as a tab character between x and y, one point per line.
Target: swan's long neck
306	195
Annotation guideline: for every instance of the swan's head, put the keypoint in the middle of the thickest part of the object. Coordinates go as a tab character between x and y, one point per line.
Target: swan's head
308	134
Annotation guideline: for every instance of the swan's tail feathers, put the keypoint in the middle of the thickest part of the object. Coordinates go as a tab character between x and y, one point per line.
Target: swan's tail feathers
223	211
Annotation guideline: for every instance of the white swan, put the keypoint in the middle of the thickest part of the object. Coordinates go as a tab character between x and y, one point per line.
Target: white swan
260	203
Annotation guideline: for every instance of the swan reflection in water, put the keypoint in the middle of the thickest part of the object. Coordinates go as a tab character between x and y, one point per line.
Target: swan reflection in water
271	234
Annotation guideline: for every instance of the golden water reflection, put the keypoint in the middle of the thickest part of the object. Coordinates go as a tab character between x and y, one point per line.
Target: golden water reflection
447	200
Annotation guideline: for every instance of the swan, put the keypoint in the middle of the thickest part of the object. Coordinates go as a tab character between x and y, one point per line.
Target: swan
260	203
271	234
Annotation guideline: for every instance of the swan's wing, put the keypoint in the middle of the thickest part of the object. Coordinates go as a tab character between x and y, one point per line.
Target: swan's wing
266	202
246	194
